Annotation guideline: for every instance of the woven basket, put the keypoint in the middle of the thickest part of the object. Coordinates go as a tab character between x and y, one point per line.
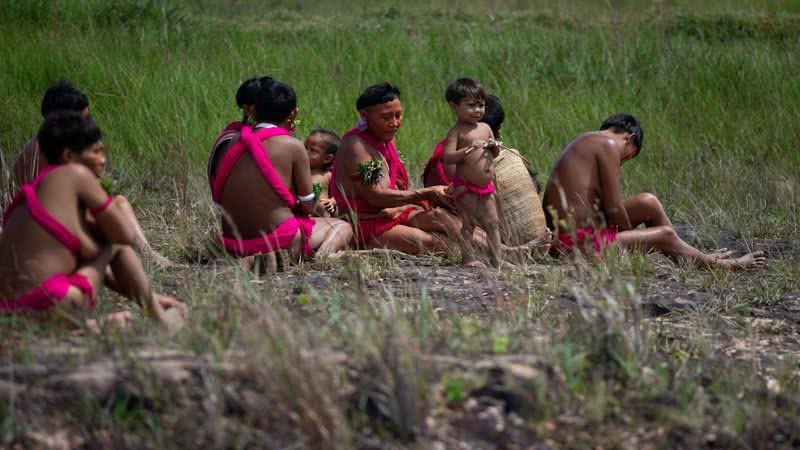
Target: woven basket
521	216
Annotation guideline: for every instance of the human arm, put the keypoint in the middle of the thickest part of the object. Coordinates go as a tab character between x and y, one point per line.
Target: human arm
110	219
451	154
354	157
303	184
611	196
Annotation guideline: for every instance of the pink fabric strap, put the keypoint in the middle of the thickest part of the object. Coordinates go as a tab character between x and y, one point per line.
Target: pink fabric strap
280	238
230	130
398	176
252	142
51	291
46	220
474	188
100	209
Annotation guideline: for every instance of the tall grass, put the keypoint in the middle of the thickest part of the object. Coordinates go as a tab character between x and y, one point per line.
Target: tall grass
335	354
713	87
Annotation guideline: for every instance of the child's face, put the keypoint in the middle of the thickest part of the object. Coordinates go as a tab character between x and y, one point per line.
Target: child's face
469	110
317	157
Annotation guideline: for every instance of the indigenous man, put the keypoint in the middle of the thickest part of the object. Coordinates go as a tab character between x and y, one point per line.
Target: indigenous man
585	208
263	184
60	98
371	183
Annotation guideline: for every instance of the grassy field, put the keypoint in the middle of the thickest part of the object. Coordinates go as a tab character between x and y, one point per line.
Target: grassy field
395	352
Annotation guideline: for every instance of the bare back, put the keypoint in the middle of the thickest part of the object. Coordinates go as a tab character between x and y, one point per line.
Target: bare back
28	253
575	187
251	206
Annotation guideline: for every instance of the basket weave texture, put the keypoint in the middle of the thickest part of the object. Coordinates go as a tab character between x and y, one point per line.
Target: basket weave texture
521	215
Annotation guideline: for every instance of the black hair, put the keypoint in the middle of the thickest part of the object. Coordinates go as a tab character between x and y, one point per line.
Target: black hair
626	122
63	96
66	130
462	88
494	115
332	143
246	94
377	94
274	101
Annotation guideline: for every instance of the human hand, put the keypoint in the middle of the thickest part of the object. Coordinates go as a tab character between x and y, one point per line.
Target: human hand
440	195
171	313
494	147
329	204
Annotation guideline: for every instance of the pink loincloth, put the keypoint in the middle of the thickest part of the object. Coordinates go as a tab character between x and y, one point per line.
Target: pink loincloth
53	290
474	188
278	239
569	242
372	228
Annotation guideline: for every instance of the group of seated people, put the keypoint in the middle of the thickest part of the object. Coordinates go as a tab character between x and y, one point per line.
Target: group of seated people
63	235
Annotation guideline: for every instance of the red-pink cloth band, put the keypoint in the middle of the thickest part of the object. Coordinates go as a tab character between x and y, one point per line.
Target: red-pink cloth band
99	210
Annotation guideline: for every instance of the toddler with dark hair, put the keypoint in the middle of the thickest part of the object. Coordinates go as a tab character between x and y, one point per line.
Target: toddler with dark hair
321	145
471	146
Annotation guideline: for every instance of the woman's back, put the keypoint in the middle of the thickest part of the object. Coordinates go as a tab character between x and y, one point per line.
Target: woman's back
44	233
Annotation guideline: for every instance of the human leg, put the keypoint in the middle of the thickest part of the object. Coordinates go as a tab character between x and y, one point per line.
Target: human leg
131	282
330	235
645	208
77	301
141	244
487	215
666	240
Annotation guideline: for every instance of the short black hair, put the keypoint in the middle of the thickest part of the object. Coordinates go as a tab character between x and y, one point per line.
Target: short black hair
494	115
462	88
274	101
626	122
63	96
332	143
377	94
64	130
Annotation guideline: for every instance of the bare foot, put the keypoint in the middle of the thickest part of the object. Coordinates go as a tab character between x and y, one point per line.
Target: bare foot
474	264
537	248
750	261
722	253
114	321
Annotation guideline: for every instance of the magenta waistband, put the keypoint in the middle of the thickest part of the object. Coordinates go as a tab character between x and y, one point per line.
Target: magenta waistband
51	291
278	239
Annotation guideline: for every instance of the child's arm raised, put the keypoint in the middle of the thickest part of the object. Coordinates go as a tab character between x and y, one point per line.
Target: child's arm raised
109	217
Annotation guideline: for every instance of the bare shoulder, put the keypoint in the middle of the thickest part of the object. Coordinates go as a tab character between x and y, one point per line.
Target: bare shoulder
353	147
77	172
484	128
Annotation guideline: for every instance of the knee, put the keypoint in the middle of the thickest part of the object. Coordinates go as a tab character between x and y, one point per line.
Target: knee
649	200
667	234
343	230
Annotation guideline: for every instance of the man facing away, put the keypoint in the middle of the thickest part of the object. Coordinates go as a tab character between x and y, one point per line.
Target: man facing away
584	205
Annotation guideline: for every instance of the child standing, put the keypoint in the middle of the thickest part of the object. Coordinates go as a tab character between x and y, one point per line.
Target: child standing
470	145
321	145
